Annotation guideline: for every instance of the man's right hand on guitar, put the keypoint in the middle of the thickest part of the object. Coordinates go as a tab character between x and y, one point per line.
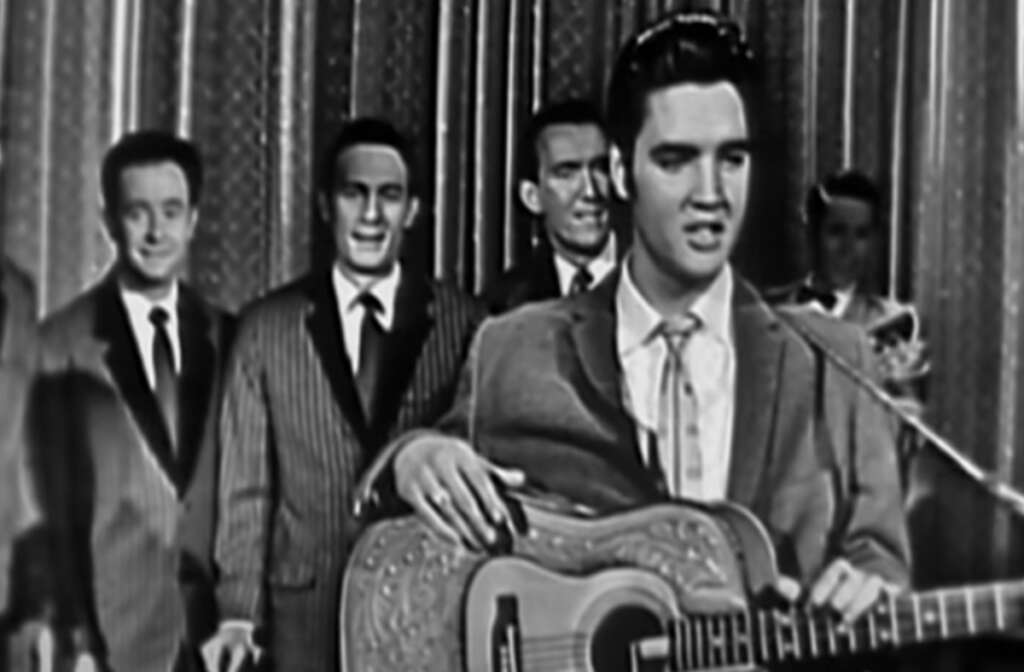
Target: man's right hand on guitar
451	487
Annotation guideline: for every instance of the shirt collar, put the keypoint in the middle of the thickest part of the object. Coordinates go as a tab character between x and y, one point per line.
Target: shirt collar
599	266
346	292
137	303
637	319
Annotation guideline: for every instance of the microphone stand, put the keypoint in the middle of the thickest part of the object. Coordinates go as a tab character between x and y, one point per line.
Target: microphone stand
999	490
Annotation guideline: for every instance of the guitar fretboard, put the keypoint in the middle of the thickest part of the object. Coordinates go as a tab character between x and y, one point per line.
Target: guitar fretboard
763	637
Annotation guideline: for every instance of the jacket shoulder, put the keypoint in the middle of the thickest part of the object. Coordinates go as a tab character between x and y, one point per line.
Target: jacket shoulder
456	302
74	317
529	321
845	337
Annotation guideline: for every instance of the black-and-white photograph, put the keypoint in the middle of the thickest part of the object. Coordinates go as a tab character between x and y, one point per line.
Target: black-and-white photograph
511	335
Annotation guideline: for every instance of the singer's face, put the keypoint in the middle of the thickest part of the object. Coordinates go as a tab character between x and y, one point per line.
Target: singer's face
690	177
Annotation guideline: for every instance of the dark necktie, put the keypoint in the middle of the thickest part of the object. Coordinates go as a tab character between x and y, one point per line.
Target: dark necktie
580	281
678	435
163	370
371	341
809	293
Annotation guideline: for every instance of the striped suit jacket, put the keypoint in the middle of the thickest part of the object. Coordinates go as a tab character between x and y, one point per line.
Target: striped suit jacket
294	442
116	492
17	360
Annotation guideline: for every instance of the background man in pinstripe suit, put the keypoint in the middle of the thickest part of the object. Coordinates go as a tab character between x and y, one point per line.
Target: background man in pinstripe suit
324	372
130	375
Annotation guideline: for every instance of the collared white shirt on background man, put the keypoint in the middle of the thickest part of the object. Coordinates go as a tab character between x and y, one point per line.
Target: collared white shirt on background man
599	266
139	306
351	312
710	357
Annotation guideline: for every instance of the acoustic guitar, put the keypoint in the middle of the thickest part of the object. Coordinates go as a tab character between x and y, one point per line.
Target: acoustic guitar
664	587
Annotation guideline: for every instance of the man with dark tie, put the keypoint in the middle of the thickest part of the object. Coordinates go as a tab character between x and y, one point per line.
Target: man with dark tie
130	380
562	181
323	373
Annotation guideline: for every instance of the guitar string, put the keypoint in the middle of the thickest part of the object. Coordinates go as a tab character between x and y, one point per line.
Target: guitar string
544	649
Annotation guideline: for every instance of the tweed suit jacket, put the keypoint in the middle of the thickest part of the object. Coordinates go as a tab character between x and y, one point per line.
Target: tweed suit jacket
116	492
18	507
294	442
813	456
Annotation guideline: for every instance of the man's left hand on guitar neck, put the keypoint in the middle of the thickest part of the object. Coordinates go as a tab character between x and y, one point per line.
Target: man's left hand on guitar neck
845	589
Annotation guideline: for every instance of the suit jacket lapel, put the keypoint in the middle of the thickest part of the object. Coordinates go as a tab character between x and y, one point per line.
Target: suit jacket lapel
543	282
324	325
402	347
121	355
198	338
593	336
759	351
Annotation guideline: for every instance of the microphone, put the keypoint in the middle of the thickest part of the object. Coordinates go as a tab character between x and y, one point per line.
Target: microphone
1002	492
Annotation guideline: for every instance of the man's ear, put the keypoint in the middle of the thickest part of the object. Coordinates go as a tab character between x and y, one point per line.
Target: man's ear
323	206
110	224
193	220
529	194
410	215
618	171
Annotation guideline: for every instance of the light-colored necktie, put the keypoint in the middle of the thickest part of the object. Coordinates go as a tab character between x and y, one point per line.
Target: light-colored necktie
678	432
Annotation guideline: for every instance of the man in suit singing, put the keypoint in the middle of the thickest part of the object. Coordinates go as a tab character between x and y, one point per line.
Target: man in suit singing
673	378
562	181
130	378
324	372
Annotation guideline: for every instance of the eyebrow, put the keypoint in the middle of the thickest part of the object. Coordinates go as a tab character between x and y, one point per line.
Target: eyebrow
736	144
361	184
579	163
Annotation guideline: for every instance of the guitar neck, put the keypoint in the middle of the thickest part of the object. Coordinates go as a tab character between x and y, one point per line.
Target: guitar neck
765	637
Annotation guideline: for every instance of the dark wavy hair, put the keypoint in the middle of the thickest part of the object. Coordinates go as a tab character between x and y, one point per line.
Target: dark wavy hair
365	131
848	183
690	47
577	111
148	147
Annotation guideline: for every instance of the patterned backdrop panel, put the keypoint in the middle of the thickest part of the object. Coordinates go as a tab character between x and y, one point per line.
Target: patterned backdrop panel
160	46
57	128
230	255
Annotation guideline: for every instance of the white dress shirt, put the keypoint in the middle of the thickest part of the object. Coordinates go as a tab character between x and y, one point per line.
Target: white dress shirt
599	266
139	306
710	357
351	312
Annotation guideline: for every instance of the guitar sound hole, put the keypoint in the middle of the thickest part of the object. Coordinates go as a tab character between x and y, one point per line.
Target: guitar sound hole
610	646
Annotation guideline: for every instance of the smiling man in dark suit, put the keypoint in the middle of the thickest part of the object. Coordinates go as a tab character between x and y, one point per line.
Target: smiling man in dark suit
672	377
130	378
324	372
562	181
